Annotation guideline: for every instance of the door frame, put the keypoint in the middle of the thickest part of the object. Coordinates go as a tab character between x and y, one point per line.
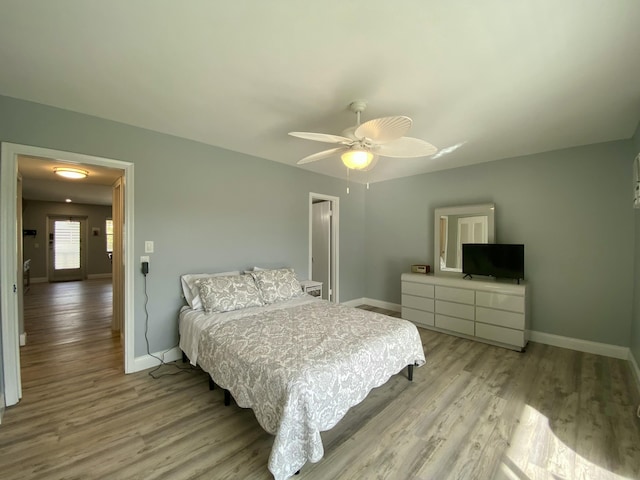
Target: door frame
9	312
335	229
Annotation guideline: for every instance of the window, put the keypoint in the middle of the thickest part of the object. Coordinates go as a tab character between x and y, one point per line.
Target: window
109	233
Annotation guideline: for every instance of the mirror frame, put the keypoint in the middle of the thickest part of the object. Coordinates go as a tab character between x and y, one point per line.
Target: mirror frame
487	209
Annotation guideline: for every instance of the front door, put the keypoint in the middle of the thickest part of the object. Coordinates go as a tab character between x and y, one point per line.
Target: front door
66	252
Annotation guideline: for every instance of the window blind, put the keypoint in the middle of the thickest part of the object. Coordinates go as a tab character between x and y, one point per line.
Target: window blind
67	244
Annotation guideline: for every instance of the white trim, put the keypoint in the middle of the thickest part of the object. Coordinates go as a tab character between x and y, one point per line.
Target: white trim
613	351
355	302
635	368
95	276
1	407
380	304
147	361
23	339
8	256
8	274
335	239
587	346
374	303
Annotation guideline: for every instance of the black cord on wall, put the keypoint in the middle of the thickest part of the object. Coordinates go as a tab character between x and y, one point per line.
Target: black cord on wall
190	368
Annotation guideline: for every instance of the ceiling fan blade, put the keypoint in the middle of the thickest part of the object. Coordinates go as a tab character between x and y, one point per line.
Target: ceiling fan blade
321	137
385	129
322	155
406	147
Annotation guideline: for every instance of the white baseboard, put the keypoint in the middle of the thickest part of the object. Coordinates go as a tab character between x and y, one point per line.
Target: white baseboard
605	349
94	276
147	361
635	369
586	346
354	303
23	339
1	406
394	307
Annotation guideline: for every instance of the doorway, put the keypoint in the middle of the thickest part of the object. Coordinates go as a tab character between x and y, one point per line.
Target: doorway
10	310
324	220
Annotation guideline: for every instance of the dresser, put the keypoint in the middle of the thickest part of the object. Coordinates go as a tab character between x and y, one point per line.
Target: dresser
488	311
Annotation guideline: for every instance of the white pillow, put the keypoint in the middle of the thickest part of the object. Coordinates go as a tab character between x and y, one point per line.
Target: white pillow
190	289
277	285
224	294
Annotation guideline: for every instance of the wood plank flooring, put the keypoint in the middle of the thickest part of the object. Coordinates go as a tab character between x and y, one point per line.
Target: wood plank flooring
472	412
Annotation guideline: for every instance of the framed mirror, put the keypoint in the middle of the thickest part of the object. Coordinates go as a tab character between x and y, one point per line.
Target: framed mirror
454	226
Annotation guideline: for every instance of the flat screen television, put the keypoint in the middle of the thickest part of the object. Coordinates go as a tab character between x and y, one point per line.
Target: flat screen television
497	260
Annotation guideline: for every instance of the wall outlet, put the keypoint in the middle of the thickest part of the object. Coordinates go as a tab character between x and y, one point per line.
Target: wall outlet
144	259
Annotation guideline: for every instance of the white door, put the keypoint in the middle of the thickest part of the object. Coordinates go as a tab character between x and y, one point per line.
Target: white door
471	230
66	251
321	246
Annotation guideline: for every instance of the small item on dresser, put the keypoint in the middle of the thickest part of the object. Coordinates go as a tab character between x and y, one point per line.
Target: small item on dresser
420	268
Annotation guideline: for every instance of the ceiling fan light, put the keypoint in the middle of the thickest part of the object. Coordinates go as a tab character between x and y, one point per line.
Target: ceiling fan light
67	172
357	159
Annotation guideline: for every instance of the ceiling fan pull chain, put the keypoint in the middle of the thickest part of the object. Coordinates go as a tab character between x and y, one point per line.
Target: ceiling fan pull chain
347	180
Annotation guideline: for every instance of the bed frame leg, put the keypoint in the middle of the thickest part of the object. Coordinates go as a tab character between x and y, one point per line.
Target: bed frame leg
227	398
410	372
212	384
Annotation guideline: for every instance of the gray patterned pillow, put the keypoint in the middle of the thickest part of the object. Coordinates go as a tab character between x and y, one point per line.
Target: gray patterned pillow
223	294
277	285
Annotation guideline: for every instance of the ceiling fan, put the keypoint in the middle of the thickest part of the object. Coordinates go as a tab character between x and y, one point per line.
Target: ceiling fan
362	144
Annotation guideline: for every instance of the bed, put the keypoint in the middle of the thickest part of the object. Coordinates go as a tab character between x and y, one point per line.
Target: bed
297	361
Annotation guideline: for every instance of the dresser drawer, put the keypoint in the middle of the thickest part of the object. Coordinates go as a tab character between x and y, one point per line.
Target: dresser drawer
455	309
419	289
501	301
452	294
500	317
419	317
454	324
500	334
420	303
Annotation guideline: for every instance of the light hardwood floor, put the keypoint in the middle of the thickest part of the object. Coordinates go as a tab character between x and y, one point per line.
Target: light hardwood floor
472	412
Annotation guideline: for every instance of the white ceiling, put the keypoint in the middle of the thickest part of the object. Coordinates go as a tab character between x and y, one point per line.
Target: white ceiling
497	78
39	182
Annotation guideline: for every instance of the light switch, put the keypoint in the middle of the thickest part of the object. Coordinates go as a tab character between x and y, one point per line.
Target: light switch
148	246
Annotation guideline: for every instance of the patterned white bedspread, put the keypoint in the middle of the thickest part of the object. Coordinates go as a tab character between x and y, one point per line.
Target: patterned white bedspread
301	368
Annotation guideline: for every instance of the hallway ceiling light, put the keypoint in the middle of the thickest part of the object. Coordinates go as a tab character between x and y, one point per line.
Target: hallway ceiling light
68	172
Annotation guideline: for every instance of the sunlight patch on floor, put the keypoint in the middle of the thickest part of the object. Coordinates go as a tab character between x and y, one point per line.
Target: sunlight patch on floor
535	452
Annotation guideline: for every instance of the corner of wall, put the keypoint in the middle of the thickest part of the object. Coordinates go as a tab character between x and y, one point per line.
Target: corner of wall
635	369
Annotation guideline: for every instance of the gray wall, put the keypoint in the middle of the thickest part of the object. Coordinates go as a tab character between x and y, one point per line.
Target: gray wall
209	209
635	330
34	215
569	207
206	209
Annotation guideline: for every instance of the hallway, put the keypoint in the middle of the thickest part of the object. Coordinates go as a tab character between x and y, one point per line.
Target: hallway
68	326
